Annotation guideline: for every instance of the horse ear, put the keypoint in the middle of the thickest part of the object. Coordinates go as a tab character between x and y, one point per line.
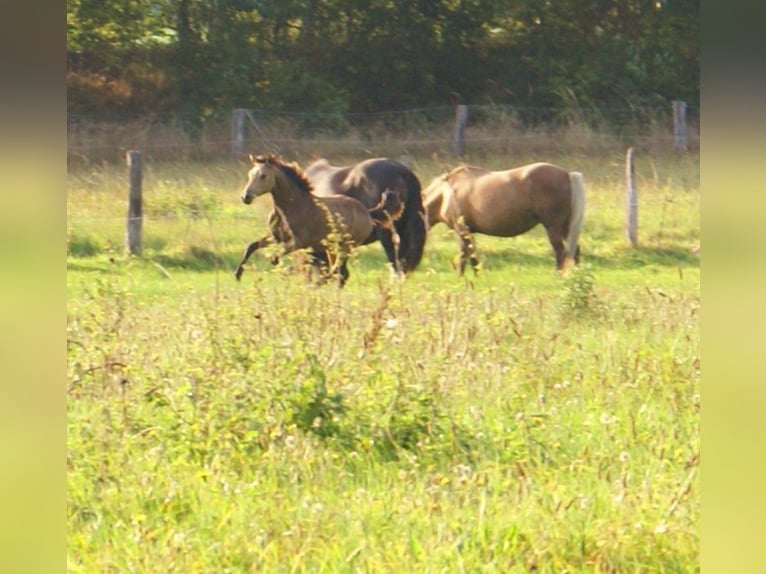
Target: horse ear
252	158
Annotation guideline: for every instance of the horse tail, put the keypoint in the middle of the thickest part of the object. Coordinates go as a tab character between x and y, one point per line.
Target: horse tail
388	210
412	225
577	185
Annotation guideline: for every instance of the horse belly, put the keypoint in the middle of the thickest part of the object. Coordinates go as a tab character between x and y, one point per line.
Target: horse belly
351	218
499	215
499	226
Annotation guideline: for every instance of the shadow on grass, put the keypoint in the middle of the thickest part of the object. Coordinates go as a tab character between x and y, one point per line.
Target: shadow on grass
625	258
89	267
514	258
193	259
372	258
635	258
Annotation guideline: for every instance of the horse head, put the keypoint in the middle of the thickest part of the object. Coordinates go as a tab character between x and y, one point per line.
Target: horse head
261	178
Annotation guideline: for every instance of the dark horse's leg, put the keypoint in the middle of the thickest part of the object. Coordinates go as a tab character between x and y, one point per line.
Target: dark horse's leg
254	246
343	273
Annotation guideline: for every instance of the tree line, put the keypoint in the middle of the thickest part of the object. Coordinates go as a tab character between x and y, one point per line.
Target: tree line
198	59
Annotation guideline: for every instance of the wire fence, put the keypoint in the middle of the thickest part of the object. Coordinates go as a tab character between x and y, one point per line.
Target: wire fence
490	129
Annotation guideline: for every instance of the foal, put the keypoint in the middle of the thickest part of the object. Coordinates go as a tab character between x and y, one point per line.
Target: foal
301	220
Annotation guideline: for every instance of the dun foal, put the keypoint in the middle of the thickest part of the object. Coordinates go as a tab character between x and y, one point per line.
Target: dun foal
301	220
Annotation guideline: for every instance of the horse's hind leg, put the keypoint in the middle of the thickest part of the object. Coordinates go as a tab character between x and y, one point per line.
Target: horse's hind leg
557	240
343	273
254	246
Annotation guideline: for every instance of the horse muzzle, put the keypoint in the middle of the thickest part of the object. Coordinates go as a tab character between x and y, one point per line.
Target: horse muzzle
247	199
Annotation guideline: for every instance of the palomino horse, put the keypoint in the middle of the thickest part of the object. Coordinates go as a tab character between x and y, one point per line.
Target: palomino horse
507	203
301	220
366	181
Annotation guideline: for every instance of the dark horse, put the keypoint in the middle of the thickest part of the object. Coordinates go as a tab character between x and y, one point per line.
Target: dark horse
366	181
506	203
301	220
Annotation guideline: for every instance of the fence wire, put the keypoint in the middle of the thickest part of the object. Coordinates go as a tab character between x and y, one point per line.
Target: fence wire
426	130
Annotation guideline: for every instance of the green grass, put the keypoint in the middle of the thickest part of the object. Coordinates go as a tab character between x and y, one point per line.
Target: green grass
513	420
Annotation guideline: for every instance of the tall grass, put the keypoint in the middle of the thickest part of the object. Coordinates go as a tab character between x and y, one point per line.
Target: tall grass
519	420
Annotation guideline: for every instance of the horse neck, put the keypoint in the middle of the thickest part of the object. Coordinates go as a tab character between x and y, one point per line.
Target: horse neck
440	206
288	197
431	207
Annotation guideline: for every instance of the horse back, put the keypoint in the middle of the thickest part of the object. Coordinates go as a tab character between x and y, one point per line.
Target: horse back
368	179
326	179
511	202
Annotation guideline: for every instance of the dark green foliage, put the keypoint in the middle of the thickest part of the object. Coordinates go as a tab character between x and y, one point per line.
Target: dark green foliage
197	60
312	408
79	245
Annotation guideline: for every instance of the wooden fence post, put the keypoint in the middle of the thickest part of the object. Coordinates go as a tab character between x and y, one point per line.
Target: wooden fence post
238	122
461	118
631	225
679	125
135	216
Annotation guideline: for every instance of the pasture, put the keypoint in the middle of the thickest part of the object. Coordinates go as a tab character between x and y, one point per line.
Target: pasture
517	420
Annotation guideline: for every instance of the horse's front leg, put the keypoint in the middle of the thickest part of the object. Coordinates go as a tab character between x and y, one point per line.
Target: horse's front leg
467	249
254	246
391	240
281	233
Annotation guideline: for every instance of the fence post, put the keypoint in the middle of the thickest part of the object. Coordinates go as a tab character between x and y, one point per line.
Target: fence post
461	118
631	225
679	125
135	216
238	122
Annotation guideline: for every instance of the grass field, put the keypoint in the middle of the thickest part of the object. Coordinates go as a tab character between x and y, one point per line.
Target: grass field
519	420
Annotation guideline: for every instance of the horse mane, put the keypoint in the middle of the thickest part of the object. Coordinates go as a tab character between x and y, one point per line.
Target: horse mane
464	169
291	170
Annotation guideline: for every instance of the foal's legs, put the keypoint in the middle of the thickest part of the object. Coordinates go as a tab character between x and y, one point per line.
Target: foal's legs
255	245
280	233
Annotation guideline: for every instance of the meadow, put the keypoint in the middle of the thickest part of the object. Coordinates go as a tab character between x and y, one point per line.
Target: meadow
516	420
